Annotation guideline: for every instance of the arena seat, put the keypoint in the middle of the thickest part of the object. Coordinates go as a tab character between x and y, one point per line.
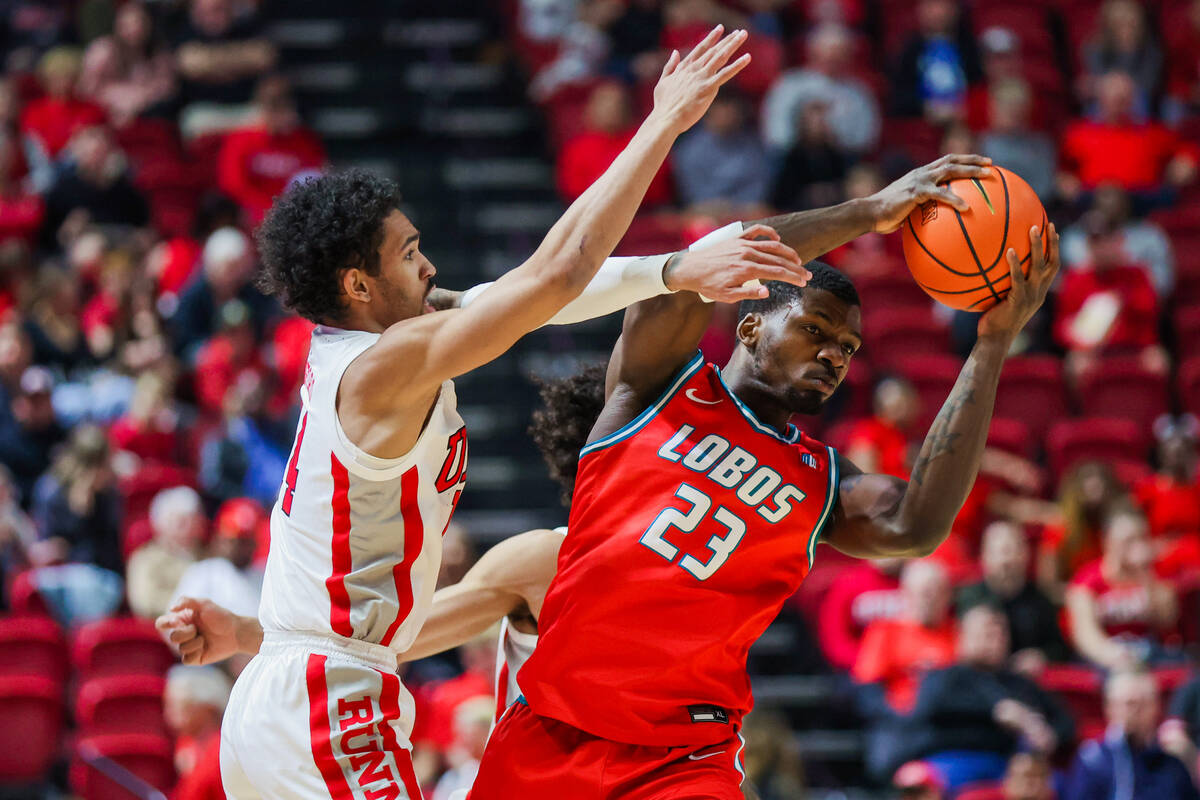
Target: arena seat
1032	390
139	488
1079	686
1188	384
933	376
1187	328
119	646
981	791
1122	387
1094	438
142	760
32	709
23	596
121	704
900	334
885	290
32	645
1011	436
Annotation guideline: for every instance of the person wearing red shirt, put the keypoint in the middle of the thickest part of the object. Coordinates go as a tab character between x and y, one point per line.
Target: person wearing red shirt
256	163
1170	498
1112	305
1117	606
897	652
193	704
478	678
1138	156
226	356
882	440
51	121
586	156
862	594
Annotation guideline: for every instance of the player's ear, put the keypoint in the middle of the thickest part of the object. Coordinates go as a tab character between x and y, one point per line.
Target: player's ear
749	329
355	285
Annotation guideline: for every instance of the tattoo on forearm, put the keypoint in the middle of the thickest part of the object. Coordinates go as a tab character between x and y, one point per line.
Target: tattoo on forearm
943	434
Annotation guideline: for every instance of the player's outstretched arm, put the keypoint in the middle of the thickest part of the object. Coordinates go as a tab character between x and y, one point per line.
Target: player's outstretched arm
878	515
437	347
512	575
816	232
202	632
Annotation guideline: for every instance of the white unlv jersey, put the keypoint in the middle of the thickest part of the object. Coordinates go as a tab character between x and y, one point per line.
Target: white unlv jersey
356	541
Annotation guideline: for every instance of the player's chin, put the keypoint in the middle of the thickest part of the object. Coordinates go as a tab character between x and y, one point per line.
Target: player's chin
806	401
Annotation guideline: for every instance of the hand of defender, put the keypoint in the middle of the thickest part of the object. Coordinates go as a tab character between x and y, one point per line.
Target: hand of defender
722	271
1028	292
689	83
200	631
896	201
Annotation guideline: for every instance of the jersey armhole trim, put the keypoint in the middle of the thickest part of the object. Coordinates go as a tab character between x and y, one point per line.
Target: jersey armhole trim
637	423
830	498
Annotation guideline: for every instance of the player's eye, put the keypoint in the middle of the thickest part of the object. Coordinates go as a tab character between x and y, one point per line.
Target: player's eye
410	255
813	329
850	349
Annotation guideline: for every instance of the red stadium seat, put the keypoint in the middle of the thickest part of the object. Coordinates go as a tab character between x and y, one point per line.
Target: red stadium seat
137	532
1189	384
1122	387
1011	436
1079	686
32	645
139	488
139	759
1187	329
651	233
933	377
120	646
24	598
1032	390
880	292
899	334
32	710
121	704
985	791
1094	438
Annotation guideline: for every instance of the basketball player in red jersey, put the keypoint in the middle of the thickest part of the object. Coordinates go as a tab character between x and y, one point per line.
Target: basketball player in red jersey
697	511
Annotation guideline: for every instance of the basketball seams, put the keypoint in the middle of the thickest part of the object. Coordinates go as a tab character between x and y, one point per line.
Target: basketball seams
934	258
1007	217
971	246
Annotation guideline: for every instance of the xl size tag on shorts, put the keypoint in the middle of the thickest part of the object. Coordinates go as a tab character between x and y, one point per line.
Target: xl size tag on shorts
709	714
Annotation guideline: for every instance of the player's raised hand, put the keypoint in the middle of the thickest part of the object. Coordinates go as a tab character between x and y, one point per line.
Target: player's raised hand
200	631
1028	290
730	271
689	83
891	204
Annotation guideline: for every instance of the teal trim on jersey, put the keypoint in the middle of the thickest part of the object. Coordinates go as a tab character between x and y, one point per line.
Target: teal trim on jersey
826	512
640	421
793	434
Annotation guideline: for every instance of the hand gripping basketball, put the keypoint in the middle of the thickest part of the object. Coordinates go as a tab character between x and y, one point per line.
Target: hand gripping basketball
1027	294
897	200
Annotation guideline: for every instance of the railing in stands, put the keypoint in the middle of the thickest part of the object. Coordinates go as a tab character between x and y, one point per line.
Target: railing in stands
119	774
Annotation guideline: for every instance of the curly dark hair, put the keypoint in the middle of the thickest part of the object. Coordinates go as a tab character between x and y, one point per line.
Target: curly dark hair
561	425
784	294
319	228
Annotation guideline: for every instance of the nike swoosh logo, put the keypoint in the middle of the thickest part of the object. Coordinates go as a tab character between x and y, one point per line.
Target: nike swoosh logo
692	397
694	757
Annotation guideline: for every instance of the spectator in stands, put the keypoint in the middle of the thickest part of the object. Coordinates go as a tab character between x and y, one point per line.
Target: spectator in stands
16	356
1128	757
1000	49
1117	607
581	52
881	440
720	167
18	534
937	64
1113	145
478	657
53	321
872	253
773	767
149	429
826	78
896	652
1032	620
635	38
255	163
1010	141
50	122
97	182
1089	493
229	577
1180	731
21	211
193	703
76	505
1183	68
1143	243
219	55
585	156
155	569
1125	42
1028	777
971	717
814	167
1170	498
227	268
245	457
130	72
223	358
29	435
472	723
917	780
861	594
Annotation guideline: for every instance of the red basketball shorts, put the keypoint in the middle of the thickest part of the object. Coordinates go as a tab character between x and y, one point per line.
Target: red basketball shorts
535	758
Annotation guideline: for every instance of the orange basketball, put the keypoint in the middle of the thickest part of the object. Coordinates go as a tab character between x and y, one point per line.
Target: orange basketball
958	257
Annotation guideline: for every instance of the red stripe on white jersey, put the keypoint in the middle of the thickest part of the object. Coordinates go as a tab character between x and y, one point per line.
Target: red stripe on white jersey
501	681
389	708
319	730
339	598
414	540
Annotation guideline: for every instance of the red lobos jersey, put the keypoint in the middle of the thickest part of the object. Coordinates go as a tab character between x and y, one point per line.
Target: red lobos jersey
689	528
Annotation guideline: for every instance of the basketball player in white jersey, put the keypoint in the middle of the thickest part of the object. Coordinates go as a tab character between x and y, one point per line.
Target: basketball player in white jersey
380	455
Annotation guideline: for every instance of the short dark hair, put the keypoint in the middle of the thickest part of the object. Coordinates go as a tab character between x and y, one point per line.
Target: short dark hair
561	426
316	230
783	294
